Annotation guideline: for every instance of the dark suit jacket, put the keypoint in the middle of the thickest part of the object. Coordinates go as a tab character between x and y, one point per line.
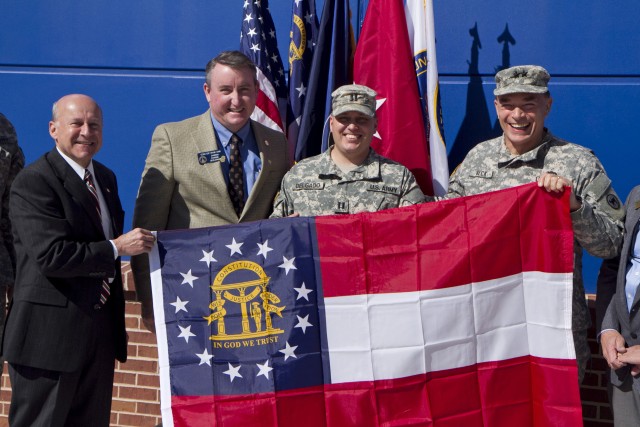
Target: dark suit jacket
178	192
62	258
611	303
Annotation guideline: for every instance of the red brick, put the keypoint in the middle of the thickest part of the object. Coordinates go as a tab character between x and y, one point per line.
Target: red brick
134	365
137	420
142	337
132	350
126	378
138	393
123	406
148	381
132	308
148	409
606	413
148	351
594	395
132	322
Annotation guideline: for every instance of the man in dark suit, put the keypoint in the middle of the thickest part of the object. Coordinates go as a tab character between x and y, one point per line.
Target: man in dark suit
617	304
65	325
188	179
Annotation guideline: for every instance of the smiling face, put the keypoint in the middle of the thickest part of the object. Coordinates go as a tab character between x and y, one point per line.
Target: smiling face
76	127
521	117
231	94
352	132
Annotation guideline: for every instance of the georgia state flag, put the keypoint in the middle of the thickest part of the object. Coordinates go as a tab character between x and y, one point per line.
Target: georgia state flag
450	313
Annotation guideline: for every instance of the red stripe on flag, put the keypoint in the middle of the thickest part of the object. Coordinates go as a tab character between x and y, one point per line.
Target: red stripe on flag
526	391
269	108
451	243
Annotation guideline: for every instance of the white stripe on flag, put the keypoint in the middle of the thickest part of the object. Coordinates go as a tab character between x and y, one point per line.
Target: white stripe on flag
161	335
387	336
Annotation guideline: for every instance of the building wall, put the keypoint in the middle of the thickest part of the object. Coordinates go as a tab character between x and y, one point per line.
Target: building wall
136	389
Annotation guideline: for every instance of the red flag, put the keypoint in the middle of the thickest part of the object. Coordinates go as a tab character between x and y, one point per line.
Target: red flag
384	62
455	313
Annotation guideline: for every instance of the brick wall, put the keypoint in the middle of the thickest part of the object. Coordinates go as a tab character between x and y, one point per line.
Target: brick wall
136	394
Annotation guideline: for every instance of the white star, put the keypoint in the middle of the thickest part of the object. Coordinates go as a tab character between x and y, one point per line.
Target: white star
264	249
262	35
233	372
264	369
308	18
289	351
255	47
188	278
303	323
208	258
303	292
246	4
379	103
205	357
272	33
287	264
252	32
248	18
235	247
260	19
257	3
186	334
302	90
297	2
281	72
274	58
180	305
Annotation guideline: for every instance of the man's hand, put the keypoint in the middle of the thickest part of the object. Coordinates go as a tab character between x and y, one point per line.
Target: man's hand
135	242
556	184
612	344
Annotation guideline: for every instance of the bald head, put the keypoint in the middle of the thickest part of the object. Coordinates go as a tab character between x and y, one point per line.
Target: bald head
60	103
76	127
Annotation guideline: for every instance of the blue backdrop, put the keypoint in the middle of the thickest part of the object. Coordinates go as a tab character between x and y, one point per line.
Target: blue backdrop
143	62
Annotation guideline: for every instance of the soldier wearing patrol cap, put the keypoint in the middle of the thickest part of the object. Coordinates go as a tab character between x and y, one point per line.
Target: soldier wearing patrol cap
349	177
528	152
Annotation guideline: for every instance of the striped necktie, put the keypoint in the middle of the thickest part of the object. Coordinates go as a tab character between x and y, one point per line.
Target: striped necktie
88	179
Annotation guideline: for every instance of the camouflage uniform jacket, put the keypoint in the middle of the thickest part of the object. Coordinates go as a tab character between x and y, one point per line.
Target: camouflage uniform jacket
597	225
316	186
11	162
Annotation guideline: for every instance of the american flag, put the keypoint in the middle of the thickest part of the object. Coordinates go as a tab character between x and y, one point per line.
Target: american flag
303	37
258	41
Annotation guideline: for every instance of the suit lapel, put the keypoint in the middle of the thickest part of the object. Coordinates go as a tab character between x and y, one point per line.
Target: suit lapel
264	146
75	186
634	215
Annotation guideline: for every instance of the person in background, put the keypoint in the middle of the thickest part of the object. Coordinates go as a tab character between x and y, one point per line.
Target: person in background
11	162
618	323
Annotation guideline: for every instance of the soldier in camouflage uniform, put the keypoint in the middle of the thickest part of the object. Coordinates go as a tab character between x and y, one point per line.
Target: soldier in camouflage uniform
11	162
527	152
349	177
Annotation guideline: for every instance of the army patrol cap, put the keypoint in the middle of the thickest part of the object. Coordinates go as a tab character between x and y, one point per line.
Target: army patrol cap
522	79
354	98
